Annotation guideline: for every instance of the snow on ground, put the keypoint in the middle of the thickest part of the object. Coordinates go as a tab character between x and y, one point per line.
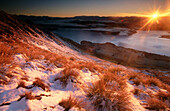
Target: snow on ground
10	94
37	69
135	103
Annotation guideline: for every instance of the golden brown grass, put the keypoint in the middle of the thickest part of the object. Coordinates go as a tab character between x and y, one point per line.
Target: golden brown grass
72	58
155	104
5	75
115	70
3	81
21	84
108	93
92	66
137	91
114	77
29	96
40	83
162	95
7	51
70	102
132	76
152	81
66	75
155	101
26	78
165	79
161	76
146	80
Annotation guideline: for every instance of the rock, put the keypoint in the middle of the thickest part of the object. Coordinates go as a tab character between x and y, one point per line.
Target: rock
126	56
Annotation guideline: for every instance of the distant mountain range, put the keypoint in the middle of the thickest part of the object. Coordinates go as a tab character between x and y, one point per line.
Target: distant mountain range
127	22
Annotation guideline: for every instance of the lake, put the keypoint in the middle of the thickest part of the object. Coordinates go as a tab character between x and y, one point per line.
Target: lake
142	40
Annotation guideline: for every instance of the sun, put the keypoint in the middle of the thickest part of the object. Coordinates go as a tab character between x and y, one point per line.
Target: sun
154	16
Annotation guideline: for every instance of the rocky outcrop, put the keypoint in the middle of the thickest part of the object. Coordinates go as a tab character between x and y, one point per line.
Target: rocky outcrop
126	56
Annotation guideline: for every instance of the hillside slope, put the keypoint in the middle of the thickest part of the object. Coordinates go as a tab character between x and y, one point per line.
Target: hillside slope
39	71
127	56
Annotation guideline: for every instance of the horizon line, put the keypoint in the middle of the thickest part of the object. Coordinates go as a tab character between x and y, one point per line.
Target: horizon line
78	15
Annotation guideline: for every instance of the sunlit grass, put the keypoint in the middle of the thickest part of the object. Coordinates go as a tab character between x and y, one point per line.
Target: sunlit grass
108	93
155	104
68	74
40	83
71	102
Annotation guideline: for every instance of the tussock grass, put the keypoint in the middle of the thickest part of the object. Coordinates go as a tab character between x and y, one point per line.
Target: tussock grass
9	75
164	79
146	80
26	78
137	82
149	81
29	96
114	70
155	104
108	93
71	102
72	58
5	54
38	53
68	75
153	81
97	88
156	101
40	83
92	66
21	84
5	76
6	71
137	91
114	78
161	95
7	51
161	76
135	75
132	76
3	80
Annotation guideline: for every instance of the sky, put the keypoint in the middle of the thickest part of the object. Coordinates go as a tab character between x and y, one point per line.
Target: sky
69	8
